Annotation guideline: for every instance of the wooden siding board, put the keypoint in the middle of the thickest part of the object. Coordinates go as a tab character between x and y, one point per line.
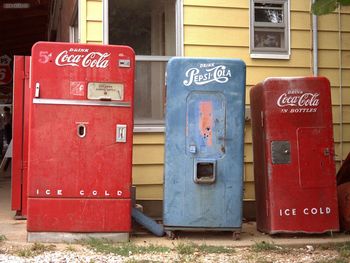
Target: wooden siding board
345	114
149	192
258	74
334	76
346	150
336	95
235	37
148	154
328	58
345	55
221	17
94	10
328	40
82	22
248	153
249	191
94	31
295	5
216	36
300	20
300	57
149	138
248	172
147	174
218	3
301	39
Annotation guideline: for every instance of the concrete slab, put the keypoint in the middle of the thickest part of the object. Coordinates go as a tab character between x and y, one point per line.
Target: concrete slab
58	237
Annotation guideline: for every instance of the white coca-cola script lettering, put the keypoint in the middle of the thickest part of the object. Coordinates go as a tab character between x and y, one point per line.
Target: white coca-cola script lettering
90	60
301	100
218	74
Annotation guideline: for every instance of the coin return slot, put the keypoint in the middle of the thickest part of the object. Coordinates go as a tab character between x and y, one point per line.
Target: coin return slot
205	172
81	130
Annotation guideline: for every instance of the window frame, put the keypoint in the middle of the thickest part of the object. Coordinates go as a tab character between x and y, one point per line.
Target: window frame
74	28
265	52
179	51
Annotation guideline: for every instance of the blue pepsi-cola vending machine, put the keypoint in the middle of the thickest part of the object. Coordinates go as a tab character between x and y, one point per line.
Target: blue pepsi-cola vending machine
203	181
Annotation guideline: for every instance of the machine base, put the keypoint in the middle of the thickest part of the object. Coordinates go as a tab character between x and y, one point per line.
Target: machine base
64	237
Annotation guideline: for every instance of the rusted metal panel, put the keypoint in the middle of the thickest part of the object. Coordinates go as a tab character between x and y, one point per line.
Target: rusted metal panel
80	149
203	186
294	165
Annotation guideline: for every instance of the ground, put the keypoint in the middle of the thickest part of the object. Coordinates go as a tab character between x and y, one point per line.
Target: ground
253	246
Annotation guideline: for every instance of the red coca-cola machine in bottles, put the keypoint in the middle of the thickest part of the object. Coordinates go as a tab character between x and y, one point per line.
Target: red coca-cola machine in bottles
80	141
294	165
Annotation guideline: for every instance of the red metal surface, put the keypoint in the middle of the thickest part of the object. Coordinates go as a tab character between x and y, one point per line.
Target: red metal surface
79	215
299	196
17	120
20	135
68	174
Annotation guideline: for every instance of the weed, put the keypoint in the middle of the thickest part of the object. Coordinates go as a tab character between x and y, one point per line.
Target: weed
141	261
3	238
34	250
334	260
123	249
185	248
264	246
343	249
71	248
190	248
215	249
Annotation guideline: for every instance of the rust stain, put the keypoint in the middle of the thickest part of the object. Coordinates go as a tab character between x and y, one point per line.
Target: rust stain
206	121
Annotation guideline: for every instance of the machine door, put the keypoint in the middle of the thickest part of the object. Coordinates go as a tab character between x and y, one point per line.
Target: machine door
205	125
205	133
316	164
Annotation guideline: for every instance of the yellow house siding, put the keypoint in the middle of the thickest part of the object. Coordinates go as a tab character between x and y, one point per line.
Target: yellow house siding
90	22
148	165
334	63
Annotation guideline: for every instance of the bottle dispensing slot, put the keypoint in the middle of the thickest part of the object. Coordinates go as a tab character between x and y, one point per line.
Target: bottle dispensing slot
205	171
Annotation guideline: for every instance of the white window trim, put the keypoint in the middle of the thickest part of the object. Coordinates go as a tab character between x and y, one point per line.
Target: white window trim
179	31
269	55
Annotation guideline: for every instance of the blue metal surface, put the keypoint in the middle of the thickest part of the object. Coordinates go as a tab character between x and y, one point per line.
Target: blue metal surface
203	182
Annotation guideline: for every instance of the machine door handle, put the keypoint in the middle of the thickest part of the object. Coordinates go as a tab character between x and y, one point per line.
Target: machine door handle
81	130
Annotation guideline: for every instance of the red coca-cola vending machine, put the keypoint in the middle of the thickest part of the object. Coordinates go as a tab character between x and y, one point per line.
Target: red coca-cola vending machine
294	165
80	141
20	120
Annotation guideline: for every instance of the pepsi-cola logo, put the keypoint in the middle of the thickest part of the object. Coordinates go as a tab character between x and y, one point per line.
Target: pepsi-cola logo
306	99
219	74
90	60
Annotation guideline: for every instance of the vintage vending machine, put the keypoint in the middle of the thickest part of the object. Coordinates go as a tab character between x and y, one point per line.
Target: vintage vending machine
203	182
80	141
21	101
294	165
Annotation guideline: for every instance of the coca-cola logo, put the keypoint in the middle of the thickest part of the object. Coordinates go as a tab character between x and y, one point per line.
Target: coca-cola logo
306	99
220	74
90	60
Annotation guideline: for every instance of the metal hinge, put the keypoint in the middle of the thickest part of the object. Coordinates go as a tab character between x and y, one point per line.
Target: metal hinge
262	118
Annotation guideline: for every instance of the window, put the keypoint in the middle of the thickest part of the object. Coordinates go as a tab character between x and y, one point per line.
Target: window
269	29
149	27
73	27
